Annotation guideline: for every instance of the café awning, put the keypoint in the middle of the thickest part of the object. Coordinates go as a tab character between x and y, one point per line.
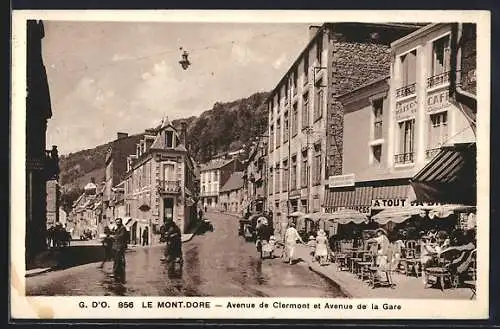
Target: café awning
443	211
450	177
297	214
346	216
316	216
397	215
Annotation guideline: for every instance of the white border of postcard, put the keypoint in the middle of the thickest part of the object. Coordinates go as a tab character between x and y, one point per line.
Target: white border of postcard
71	307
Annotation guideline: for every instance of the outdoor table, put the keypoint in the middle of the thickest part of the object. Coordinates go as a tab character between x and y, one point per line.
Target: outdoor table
341	260
364	269
354	261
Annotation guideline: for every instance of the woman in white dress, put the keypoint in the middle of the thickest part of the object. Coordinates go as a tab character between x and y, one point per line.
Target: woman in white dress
321	247
291	237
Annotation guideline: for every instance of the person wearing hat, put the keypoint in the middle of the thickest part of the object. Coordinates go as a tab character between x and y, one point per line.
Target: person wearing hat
382	246
312	246
291	237
321	247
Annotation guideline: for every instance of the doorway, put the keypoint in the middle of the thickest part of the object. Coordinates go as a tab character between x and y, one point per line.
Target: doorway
168	209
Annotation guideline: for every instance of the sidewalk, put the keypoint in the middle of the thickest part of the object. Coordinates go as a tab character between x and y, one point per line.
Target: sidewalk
84	252
406	287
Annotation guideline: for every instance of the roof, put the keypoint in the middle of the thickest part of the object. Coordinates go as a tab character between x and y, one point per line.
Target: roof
215	164
235	182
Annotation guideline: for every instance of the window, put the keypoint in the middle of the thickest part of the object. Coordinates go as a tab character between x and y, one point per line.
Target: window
270	109
278	178
294	82
438	132
317	165
441	55
319	49
319	102
271	137
285	127
293	178
376	154
305	110
285	176
278	133
168	172
406	141
377	122
304	171
271	183
169	139
408	68
306	68
295	122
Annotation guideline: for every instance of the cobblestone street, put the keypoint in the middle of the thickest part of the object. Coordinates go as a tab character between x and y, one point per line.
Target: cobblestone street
218	263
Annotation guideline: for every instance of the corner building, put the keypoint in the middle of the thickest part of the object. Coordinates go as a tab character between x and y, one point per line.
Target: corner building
306	117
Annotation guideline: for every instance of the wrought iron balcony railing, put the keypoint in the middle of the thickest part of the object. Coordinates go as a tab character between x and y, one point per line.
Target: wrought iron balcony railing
170	186
439	79
406	90
404	158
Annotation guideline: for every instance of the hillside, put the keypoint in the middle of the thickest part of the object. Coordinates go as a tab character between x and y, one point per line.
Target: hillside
225	127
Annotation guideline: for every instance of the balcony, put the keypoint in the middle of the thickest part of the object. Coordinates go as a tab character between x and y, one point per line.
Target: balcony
404	158
170	187
431	153
438	80
406	90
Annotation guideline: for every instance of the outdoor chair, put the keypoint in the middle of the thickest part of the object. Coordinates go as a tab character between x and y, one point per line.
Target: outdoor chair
364	266
449	271
473	275
377	271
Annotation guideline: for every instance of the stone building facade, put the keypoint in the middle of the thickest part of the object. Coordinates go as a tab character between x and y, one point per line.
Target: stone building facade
41	164
305	116
159	184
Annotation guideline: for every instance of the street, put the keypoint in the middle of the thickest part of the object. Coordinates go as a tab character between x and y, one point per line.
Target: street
218	263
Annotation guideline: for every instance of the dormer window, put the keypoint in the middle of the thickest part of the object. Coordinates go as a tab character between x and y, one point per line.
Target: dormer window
169	139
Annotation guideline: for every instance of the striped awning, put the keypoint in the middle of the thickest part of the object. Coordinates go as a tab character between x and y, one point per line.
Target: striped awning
346	216
360	196
450	177
397	215
391	191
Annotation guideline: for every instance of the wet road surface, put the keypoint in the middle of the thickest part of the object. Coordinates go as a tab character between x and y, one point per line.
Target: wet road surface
218	263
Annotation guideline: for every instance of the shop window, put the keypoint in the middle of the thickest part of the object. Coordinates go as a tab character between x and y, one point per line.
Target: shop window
438	132
406	142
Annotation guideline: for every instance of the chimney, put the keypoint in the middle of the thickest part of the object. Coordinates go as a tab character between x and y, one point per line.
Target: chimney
121	135
183	132
313	29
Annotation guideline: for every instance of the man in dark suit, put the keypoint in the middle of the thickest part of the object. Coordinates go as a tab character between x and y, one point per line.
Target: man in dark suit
119	246
172	236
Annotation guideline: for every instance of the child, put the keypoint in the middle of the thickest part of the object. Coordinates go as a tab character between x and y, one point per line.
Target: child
312	246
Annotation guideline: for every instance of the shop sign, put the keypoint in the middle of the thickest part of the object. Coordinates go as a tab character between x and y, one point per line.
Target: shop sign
391	203
438	100
341	180
362	209
405	110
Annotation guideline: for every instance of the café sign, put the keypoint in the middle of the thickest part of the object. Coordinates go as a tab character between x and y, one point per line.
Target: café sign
341	180
438	100
405	110
393	203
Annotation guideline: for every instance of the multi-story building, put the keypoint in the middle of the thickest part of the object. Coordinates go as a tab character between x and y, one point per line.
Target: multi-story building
86	211
407	138
159	183
231	194
305	116
53	202
255	174
116	169
213	175
41	164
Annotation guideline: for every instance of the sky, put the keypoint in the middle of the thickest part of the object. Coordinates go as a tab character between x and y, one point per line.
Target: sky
109	77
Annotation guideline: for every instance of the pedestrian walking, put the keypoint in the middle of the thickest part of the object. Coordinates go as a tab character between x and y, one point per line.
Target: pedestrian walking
107	243
291	237
205	208
120	237
172	236
145	236
321	252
